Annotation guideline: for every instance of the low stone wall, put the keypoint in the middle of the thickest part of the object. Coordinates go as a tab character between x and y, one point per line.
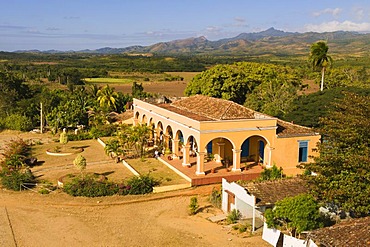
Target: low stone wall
101	142
132	170
160	189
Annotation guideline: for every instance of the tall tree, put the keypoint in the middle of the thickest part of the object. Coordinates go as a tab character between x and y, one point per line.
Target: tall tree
234	82
343	167
107	98
320	59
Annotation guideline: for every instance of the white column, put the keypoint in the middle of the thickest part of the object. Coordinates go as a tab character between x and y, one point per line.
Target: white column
186	155
221	151
270	156
200	163
236	160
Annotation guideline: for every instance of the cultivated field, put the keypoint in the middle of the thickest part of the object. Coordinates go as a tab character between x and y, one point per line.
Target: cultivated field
156	83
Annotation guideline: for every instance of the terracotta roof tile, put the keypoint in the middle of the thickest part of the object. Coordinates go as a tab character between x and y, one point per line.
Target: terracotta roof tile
212	108
286	129
353	232
269	192
205	108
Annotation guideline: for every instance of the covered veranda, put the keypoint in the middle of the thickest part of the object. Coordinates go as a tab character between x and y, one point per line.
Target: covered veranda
190	135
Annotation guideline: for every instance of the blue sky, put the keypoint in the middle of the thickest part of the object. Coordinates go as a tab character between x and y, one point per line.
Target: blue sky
91	24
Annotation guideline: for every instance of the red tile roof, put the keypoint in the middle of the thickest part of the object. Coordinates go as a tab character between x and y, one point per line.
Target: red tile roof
286	129
353	232
204	108
269	192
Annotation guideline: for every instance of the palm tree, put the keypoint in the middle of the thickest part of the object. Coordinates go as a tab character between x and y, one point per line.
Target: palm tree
107	97
320	59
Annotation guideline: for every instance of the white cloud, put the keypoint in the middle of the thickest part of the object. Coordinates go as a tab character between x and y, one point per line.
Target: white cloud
338	26
213	29
334	12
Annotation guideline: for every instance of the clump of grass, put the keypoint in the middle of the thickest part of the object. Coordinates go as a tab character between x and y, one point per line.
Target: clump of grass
233	216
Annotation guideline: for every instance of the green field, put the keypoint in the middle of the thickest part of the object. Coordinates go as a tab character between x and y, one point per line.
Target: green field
109	80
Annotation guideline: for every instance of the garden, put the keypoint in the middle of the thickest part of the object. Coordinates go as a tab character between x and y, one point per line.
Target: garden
79	168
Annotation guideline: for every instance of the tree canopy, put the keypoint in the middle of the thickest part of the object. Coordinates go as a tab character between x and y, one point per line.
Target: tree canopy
294	214
307	110
267	88
343	166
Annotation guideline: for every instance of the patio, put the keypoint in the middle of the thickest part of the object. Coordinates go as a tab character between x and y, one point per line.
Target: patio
214	171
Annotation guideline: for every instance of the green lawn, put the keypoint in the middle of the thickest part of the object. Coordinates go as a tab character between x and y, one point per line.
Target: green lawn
108	80
158	170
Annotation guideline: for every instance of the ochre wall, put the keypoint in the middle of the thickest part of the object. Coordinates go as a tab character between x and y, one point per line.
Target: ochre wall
286	150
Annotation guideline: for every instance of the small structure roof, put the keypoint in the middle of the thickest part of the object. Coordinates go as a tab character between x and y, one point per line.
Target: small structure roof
353	232
269	192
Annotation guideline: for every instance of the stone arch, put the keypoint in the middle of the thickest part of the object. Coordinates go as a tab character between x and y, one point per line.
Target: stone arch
136	117
190	149
144	120
159	133
192	142
255	149
168	137
137	114
220	149
177	143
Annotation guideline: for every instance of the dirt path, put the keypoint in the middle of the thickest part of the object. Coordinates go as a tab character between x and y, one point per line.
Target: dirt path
150	220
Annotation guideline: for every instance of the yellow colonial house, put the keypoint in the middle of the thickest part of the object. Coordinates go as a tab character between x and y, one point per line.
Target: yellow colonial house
228	133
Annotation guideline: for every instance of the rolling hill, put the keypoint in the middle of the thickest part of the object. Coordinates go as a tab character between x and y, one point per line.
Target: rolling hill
268	42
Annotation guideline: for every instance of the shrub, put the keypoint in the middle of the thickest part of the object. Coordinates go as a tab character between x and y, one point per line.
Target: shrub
18	122
242	227
90	187
12	179
63	138
273	173
141	185
233	216
17	147
103	130
83	135
80	163
193	206
216	198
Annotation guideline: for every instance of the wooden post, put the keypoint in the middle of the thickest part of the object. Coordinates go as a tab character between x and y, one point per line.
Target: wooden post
41	119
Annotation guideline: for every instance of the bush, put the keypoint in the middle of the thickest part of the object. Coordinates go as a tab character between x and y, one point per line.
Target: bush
216	198
233	216
242	227
90	187
141	185
17	147
12	179
18	122
103	131
273	173
193	206
83	135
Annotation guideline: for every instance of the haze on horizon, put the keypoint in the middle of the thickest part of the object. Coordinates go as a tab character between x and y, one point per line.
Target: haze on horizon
91	24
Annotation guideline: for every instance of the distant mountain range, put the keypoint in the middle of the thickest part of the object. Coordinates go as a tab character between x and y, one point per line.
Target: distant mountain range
270	41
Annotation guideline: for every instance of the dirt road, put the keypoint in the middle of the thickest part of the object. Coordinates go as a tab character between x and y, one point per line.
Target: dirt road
150	220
